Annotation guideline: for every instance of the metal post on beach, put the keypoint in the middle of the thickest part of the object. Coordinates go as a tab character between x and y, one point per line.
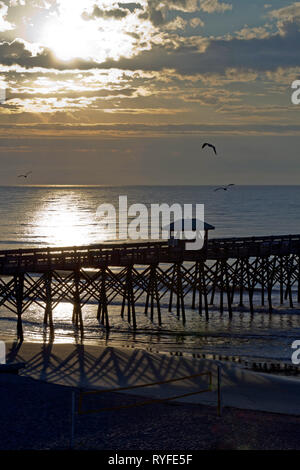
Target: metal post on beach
219	374
72	420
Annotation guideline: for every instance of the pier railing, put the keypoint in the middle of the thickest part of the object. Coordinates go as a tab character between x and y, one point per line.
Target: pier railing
123	254
254	246
83	256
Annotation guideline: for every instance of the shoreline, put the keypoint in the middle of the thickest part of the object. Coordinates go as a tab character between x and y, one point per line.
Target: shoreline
260	364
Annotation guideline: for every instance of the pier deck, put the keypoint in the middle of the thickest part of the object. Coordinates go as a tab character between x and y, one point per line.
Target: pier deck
123	254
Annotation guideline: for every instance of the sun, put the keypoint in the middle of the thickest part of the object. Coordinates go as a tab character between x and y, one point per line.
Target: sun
62	39
70	36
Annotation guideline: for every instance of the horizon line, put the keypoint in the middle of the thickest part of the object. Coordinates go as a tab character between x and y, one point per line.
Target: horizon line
135	185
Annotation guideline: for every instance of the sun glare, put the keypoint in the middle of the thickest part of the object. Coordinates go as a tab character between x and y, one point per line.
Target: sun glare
63	222
69	36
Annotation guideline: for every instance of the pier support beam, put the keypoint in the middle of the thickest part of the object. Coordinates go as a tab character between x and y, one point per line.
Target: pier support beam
214	283
200	287
176	288
228	289
19	292
264	262
196	285
152	295
250	285
102	313
48	307
241	282
77	312
288	292
128	297
270	281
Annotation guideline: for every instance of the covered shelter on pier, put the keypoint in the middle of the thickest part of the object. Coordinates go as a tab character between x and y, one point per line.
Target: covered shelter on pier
179	231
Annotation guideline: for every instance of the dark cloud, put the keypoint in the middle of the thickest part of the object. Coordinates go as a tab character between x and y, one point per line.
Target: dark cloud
132	6
156	17
17	53
257	54
115	13
157	11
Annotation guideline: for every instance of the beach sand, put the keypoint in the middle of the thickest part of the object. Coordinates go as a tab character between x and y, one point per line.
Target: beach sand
100	367
35	407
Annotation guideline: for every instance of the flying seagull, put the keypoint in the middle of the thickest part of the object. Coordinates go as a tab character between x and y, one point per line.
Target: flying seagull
206	144
225	188
26	175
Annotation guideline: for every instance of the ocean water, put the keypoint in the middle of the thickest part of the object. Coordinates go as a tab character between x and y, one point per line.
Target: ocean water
66	216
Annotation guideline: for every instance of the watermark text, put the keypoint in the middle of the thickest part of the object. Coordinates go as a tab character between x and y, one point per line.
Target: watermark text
159	222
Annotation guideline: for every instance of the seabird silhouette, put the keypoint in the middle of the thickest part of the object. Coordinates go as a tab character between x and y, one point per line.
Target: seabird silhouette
26	175
206	144
225	188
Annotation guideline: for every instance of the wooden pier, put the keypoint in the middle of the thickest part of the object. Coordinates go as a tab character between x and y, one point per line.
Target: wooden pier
227	272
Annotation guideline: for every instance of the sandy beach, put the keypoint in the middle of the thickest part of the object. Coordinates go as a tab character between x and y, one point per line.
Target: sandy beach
100	367
36	405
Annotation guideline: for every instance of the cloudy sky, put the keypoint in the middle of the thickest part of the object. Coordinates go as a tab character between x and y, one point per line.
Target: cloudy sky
121	92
